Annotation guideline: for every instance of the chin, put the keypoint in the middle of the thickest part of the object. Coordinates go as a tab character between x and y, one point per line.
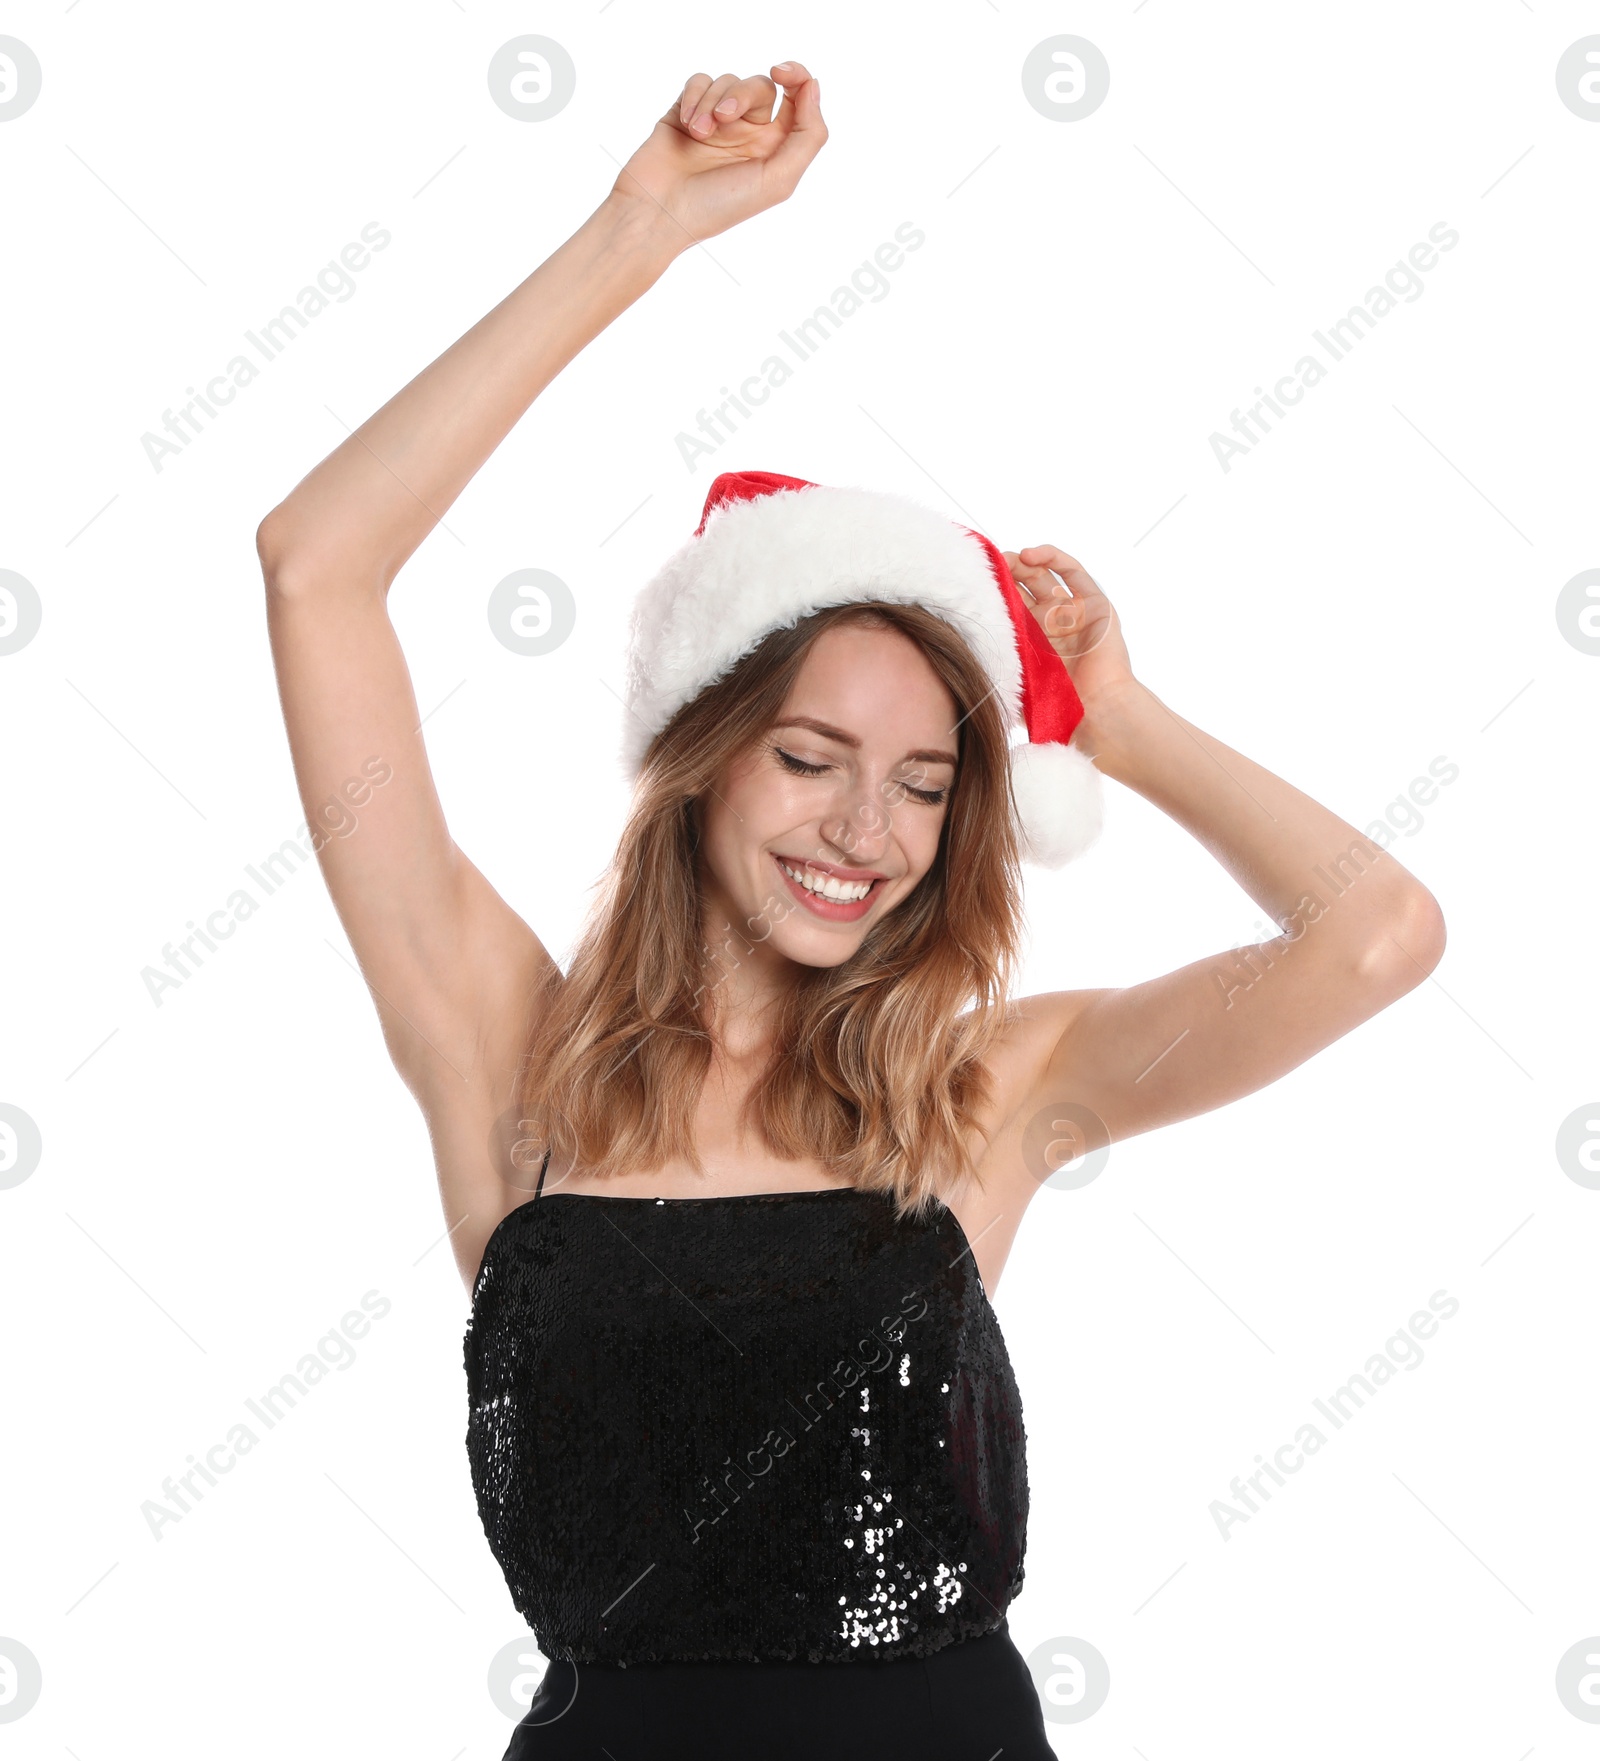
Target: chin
806	946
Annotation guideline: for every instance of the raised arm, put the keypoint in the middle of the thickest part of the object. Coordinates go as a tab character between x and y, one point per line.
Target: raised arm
1358	930
455	974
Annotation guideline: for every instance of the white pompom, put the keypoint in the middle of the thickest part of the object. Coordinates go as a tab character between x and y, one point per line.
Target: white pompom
1060	801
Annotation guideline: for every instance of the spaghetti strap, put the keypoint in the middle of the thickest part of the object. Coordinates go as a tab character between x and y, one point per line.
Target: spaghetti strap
542	1167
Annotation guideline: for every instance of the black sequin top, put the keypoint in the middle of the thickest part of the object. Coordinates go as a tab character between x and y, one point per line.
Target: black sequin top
758	1427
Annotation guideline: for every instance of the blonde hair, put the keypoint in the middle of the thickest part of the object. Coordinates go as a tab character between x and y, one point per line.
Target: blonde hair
877	1065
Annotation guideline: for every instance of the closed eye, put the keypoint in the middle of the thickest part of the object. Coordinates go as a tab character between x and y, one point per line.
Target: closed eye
798	765
801	767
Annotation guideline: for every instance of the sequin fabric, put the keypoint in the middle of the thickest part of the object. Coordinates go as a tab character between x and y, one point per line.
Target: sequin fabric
756	1428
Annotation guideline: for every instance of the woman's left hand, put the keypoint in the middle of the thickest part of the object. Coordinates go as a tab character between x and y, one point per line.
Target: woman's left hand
1080	621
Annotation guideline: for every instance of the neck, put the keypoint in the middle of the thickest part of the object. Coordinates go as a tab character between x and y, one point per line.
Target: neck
744	983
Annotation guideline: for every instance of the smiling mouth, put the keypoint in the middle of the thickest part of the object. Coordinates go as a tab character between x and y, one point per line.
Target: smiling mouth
826	895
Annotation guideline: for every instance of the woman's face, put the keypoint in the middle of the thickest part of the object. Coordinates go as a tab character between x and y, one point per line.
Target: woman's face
834	818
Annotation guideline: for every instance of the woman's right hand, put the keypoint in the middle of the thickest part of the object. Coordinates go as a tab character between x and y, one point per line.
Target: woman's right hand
720	155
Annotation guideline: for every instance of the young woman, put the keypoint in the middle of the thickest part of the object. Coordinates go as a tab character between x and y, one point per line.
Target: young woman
742	1428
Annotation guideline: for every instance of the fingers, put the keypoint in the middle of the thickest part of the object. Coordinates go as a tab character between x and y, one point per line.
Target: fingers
727	99
694	89
751	100
1051	607
791	75
802	113
1041	558
1032	577
697	118
1076	622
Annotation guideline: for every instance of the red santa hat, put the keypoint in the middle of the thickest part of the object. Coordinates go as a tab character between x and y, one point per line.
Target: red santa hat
770	550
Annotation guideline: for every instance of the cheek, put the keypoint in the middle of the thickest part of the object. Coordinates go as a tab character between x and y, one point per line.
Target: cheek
722	841
928	835
747	809
762	804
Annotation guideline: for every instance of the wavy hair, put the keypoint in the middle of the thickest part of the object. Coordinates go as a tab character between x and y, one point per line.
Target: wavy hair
877	1064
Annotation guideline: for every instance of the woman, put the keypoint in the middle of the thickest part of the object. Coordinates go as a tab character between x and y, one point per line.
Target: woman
743	1432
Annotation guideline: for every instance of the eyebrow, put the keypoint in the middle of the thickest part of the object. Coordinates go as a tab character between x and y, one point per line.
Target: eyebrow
925	756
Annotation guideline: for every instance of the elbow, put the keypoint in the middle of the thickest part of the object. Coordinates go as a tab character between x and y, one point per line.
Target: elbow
1410	943
272	549
295	565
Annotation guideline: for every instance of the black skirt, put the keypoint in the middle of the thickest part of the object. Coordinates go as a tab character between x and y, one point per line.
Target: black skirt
967	1702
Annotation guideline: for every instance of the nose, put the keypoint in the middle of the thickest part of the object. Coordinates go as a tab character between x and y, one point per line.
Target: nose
859	826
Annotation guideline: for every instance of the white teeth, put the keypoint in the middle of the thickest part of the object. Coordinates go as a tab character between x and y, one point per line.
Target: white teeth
828	886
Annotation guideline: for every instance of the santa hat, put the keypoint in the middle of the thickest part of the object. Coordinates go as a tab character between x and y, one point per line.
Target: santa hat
770	550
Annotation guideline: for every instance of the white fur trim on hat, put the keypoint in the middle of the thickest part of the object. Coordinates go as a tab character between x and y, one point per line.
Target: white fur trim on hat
766	563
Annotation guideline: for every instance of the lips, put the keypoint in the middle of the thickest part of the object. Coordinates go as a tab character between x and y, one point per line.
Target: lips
831	910
818	866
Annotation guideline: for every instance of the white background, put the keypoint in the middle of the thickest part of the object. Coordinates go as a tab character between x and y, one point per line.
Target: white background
1372	587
